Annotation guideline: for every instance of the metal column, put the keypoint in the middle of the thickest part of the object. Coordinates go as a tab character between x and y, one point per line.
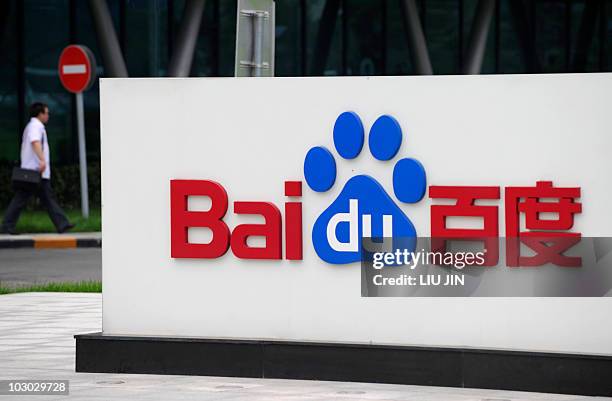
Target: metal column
107	39
186	39
416	38
255	38
526	34
258	38
325	34
479	33
586	34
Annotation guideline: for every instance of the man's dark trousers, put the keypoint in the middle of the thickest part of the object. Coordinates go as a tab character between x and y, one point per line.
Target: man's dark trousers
45	193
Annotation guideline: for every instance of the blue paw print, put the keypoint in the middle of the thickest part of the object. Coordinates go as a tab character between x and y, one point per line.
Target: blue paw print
363	209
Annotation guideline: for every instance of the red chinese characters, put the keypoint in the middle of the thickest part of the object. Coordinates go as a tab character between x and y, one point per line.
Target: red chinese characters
548	239
466	207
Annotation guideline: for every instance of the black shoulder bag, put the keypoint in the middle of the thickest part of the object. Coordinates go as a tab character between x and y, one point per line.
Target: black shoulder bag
26	179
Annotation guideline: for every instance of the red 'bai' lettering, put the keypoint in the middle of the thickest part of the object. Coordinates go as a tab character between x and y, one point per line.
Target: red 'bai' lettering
181	218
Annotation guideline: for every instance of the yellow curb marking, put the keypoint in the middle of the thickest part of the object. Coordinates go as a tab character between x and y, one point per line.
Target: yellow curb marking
55	242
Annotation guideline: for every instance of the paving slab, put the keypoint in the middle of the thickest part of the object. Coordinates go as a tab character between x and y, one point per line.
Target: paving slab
30	352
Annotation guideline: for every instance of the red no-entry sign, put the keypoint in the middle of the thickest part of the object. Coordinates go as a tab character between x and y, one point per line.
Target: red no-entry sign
77	68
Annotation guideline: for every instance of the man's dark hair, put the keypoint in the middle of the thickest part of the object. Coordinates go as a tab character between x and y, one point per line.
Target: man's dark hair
37	108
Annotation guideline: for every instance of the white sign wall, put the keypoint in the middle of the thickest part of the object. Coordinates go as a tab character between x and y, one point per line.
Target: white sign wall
251	135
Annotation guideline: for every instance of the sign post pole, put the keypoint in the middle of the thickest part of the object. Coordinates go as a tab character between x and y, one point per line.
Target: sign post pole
77	68
82	155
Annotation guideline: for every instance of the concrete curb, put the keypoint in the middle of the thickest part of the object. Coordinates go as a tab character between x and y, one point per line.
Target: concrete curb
52	241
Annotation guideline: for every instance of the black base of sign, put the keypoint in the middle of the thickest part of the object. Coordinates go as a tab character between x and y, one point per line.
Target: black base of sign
449	367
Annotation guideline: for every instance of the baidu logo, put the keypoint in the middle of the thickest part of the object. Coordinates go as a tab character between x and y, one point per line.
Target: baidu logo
363	209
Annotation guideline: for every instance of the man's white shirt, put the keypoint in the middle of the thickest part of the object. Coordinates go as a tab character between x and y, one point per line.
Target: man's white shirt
35	131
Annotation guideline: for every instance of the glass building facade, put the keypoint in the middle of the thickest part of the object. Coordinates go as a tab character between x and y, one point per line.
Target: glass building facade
367	38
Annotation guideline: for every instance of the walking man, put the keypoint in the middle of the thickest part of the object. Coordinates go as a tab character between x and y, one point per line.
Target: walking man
35	156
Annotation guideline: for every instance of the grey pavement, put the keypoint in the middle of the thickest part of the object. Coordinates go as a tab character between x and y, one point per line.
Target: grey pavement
25	266
36	343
